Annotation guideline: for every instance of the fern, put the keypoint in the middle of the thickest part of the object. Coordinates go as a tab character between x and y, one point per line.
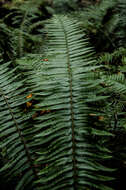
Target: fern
70	160
60	142
15	129
122	24
65	6
24	21
100	22
6	49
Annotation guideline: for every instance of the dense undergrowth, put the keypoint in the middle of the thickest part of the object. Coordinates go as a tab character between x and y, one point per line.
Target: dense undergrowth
62	95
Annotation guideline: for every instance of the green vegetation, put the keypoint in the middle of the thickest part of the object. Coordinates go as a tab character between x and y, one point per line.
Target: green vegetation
62	95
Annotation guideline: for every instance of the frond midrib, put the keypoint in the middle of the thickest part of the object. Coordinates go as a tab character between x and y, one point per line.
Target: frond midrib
70	75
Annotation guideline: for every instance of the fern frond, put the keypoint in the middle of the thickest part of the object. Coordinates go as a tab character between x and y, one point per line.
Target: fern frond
21	20
100	21
15	129
62	90
122	24
6	48
116	83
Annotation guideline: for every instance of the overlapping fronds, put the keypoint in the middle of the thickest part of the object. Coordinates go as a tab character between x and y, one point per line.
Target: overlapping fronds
62	113
116	88
23	20
100	21
116	83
